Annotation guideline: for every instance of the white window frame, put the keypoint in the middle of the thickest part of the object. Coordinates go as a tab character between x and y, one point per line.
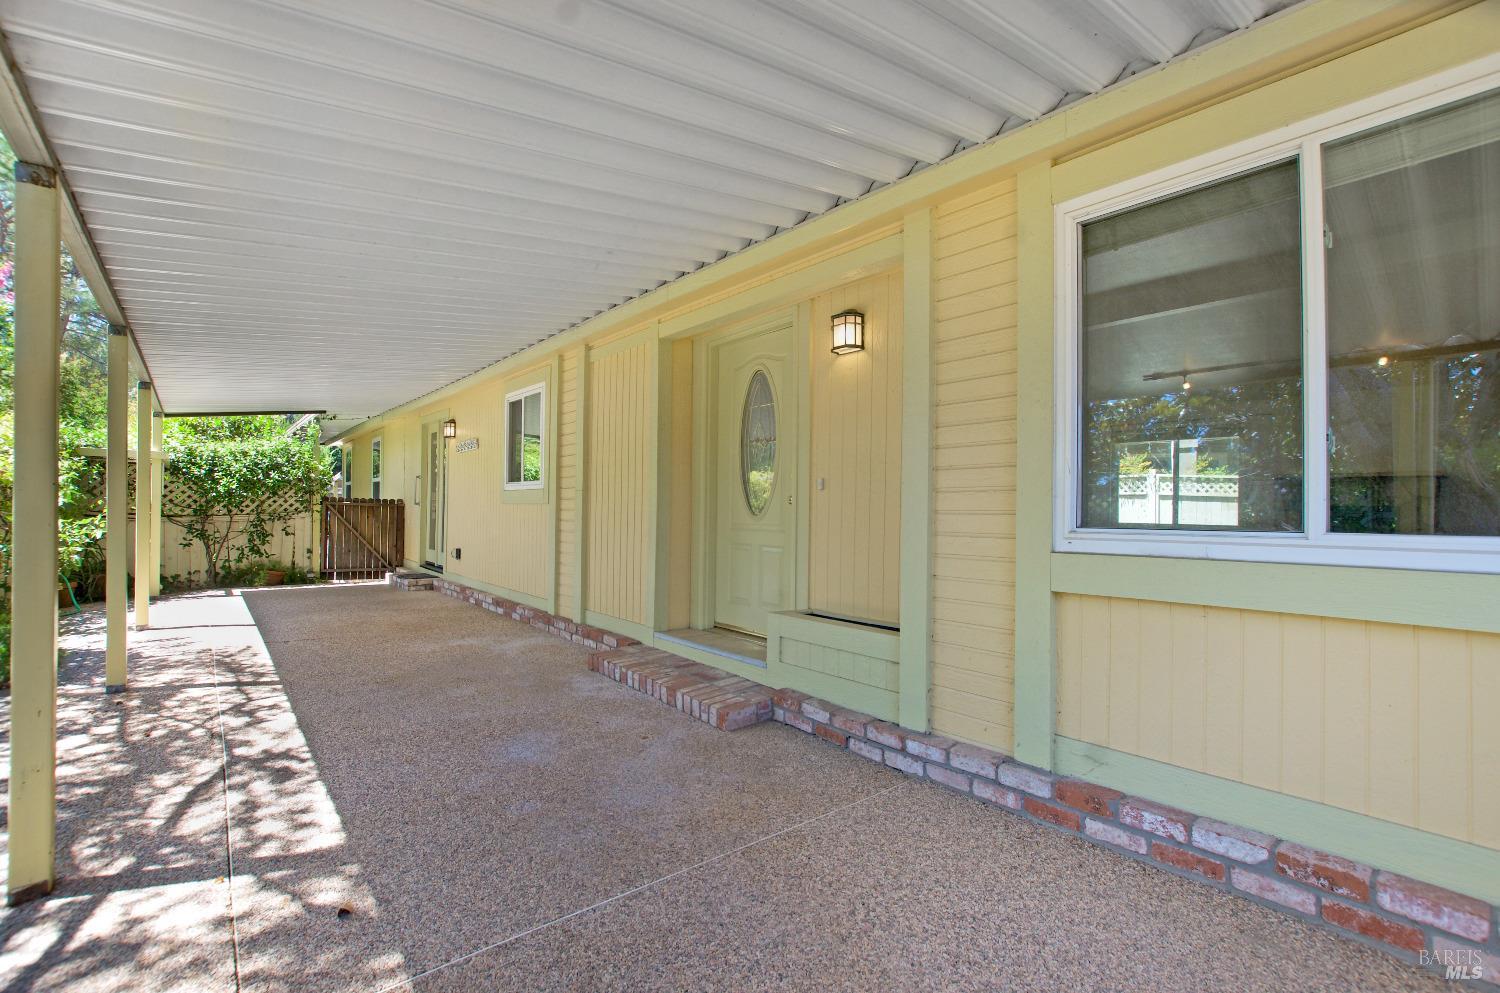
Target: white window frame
348	472
1315	544
375	449
541	390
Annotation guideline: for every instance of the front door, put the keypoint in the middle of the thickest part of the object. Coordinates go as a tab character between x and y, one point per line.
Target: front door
434	493
754	480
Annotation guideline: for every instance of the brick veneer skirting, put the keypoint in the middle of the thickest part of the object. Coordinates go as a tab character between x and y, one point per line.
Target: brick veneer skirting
1451	934
710	695
568	630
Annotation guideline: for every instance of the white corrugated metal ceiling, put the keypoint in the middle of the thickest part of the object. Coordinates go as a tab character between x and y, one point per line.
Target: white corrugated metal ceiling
343	204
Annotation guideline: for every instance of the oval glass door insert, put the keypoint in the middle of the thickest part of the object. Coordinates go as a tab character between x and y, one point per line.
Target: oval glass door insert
758	443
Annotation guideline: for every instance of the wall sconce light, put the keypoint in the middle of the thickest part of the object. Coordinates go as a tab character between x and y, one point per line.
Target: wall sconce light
450	428
848	332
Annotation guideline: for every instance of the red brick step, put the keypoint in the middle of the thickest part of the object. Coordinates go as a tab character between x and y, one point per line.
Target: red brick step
701	691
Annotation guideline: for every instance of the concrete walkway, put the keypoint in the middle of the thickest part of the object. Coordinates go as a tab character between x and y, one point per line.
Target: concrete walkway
420	795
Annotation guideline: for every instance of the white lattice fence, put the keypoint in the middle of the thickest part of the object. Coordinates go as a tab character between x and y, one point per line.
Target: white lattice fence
1203	500
293	539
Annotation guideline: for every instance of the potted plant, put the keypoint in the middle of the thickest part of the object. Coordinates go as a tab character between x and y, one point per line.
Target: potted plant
274	575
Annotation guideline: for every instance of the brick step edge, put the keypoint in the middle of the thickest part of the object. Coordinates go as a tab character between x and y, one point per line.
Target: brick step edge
707	694
1422	924
403	579
590	637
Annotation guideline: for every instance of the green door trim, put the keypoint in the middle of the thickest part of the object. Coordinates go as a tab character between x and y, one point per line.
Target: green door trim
916	472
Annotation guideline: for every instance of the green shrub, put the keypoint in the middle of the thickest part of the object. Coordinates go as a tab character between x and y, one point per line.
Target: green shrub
237	492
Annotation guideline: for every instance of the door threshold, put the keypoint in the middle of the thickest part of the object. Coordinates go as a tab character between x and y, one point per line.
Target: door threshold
728	644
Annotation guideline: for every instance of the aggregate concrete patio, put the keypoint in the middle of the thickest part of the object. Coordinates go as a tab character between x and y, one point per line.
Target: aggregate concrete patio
354	788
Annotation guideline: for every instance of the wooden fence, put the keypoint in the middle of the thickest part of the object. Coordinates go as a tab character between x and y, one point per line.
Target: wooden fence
362	539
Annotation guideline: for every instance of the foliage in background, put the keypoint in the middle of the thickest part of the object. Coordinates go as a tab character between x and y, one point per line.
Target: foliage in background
240	481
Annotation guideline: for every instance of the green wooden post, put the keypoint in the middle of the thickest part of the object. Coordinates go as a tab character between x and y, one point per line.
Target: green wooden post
916	472
1035	663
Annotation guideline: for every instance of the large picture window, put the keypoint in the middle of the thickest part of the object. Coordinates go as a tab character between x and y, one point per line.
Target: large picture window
1413	219
1302	350
524	439
1192	360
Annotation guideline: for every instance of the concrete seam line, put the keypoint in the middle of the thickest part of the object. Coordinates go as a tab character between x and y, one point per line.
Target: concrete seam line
234	934
637	889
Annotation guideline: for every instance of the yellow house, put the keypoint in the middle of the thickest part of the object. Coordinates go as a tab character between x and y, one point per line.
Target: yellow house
925	546
1137	468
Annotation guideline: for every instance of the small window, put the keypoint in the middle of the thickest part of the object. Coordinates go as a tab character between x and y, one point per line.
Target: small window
348	471
524	450
758	443
375	469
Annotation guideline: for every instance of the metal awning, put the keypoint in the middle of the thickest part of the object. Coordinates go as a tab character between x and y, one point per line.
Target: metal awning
343	204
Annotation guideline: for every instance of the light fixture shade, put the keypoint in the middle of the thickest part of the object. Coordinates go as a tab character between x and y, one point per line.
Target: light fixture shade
848	332
450	428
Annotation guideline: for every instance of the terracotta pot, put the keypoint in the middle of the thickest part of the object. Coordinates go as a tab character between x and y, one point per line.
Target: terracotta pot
274	578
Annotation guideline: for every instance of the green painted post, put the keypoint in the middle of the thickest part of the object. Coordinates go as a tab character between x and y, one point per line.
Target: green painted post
916	473
1035	663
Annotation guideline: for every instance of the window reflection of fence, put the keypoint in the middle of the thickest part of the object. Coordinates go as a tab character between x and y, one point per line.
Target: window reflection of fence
1201	500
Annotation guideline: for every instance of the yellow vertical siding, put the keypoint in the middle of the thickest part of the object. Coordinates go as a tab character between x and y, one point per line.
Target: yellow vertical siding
619	409
1388	720
974	459
854	558
504	544
568	427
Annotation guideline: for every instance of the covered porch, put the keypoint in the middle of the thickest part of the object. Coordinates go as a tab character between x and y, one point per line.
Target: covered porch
734	341
358	788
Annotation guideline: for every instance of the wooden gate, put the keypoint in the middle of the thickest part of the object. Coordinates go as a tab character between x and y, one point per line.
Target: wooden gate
362	539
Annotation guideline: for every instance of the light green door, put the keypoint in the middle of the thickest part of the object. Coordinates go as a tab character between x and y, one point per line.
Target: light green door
434	493
754	468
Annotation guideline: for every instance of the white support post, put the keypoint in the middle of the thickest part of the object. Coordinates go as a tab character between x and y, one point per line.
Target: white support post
34	581
158	476
144	491
116	511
